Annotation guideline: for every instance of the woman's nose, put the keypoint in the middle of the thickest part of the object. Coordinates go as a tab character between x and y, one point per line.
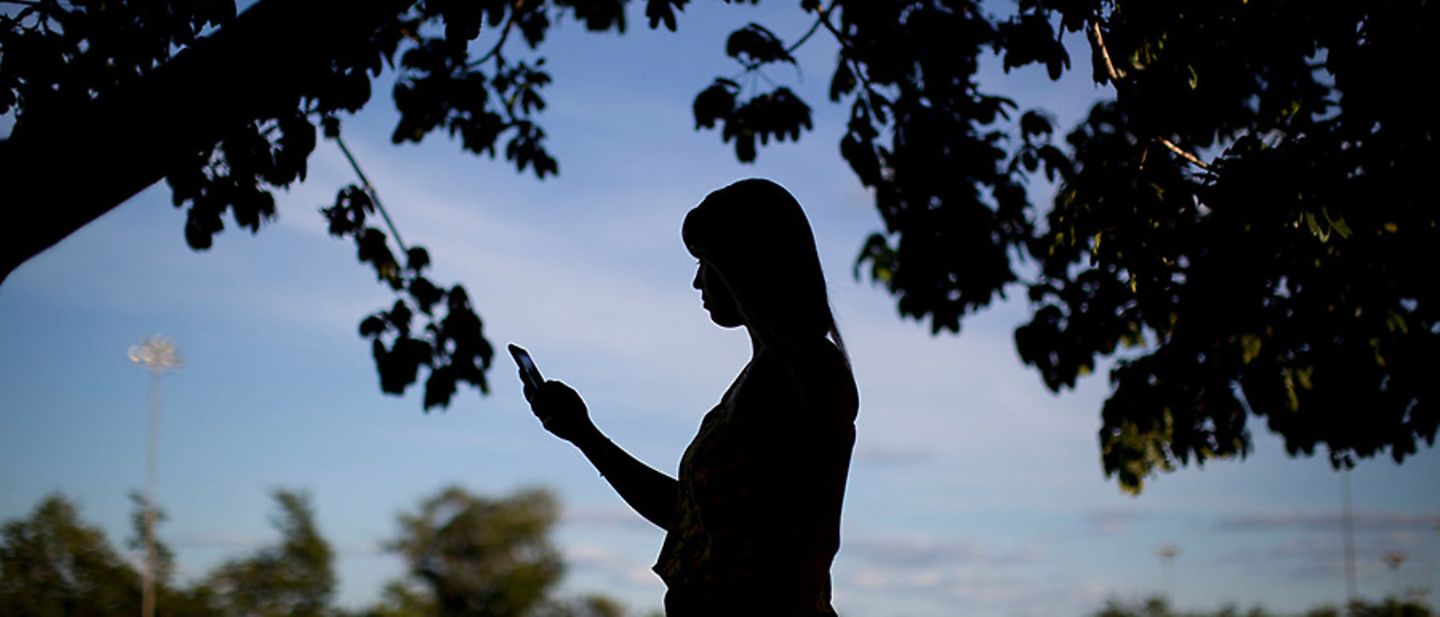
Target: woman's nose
696	283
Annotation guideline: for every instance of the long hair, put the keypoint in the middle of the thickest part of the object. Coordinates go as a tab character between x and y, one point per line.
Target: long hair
755	235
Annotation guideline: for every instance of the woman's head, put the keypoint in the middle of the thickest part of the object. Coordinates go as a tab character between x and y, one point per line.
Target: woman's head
752	240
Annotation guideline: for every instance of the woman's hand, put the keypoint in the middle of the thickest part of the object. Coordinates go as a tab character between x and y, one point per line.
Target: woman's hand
561	411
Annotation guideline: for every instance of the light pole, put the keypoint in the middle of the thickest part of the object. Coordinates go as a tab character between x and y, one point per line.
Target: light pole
1347	520
158	355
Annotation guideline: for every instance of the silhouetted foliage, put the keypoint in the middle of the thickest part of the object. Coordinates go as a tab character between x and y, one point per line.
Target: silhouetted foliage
1285	278
451	345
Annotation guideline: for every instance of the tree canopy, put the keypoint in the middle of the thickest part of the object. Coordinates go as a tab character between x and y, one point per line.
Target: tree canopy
1242	230
480	556
1158	607
295	576
55	564
467	555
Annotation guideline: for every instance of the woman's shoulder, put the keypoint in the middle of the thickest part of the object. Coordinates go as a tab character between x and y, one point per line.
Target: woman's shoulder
818	373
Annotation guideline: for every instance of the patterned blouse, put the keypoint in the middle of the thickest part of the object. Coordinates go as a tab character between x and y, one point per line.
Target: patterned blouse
760	490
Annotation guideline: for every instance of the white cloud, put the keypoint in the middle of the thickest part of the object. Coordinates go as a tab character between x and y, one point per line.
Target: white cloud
612	565
923	552
603	516
1113	521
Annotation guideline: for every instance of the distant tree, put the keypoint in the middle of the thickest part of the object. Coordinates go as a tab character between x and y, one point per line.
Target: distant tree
468	556
473	556
481	557
56	564
172	599
294	577
52	564
164	557
403	599
1390	607
1157	607
586	606
1245	229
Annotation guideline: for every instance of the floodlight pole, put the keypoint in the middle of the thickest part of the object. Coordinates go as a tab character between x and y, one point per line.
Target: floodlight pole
147	606
158	355
1347	518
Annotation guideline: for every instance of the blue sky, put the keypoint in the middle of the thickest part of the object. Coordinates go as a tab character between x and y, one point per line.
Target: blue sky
974	490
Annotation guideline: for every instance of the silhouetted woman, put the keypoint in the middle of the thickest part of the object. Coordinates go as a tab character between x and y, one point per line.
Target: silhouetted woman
753	520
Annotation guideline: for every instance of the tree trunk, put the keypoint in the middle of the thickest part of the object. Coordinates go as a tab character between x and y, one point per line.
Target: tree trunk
60	175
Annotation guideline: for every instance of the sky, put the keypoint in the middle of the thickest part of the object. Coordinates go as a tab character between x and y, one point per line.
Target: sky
974	489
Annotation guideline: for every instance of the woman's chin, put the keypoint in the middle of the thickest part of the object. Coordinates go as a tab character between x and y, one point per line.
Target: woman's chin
725	321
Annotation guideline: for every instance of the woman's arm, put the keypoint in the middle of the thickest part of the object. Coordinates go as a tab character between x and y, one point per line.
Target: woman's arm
649	492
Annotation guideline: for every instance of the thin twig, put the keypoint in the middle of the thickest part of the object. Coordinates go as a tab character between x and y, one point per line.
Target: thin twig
374	196
821	12
495	51
1115	76
789	51
504	35
845	43
1105	53
1183	154
824	20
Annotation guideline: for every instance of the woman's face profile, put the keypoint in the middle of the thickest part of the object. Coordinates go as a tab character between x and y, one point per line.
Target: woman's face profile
717	297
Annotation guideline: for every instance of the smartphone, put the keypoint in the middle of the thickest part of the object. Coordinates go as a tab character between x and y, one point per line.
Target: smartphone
529	373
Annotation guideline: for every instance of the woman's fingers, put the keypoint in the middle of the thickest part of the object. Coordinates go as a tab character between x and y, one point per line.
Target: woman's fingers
559	408
543	402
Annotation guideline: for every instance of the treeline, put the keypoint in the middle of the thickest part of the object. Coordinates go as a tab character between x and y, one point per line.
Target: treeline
1156	607
467	555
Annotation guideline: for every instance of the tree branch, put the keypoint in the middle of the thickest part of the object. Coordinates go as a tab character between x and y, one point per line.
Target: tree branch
790	51
821	14
1183	154
824	20
1116	75
504	35
1099	40
77	166
374	195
